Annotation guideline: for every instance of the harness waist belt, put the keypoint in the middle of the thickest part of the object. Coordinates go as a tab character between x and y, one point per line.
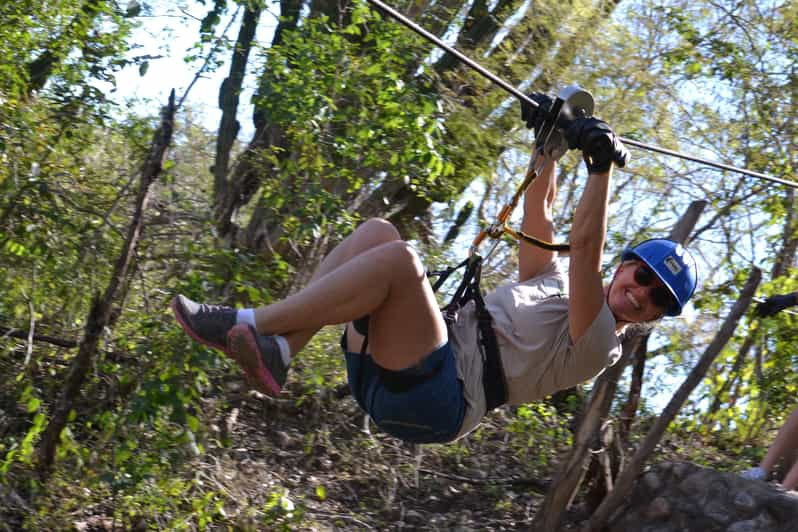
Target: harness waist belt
402	381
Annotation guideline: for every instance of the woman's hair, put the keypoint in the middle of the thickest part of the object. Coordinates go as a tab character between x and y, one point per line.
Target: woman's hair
639	328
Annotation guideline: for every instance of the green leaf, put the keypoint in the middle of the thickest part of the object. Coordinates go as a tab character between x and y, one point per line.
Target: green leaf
33	404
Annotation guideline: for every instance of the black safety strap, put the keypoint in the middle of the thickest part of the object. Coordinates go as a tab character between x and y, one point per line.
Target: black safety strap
493	373
493	378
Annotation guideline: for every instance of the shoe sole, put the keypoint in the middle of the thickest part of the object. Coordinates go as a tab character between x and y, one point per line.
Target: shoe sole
178	312
247	353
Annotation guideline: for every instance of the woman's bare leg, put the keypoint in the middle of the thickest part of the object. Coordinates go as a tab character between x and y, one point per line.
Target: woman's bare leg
790	481
368	235
388	282
786	441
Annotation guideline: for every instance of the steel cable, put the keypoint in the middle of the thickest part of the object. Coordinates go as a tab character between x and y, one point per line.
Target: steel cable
521	96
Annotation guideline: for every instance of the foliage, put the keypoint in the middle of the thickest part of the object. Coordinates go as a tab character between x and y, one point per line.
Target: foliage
320	369
542	428
351	122
63	51
361	111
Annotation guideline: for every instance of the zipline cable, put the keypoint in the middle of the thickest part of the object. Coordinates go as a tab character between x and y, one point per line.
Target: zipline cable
707	162
526	99
462	57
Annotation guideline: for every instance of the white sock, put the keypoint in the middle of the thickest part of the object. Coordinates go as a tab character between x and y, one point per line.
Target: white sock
246	315
285	349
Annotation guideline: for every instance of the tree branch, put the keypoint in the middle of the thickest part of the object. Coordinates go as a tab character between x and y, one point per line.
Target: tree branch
10	332
100	312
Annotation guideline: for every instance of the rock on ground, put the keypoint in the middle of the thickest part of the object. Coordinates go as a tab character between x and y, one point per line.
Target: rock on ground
684	497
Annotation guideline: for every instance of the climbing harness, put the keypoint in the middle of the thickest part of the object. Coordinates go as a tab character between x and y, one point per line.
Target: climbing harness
468	290
572	101
526	99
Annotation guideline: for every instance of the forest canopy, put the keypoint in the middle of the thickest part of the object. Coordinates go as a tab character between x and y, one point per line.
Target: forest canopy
334	115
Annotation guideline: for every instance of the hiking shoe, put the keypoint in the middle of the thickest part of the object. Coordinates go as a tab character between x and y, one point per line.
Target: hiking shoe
207	324
259	357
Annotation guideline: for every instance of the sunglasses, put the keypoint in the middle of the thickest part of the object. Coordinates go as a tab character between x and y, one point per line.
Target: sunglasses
659	295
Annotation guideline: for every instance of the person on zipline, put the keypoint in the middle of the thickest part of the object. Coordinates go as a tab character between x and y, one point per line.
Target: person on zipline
425	380
784	446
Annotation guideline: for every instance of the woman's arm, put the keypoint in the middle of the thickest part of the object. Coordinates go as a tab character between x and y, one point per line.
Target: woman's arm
587	246
600	150
538	220
775	304
785	442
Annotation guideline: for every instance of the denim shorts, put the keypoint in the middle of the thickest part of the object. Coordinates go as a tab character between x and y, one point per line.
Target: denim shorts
420	404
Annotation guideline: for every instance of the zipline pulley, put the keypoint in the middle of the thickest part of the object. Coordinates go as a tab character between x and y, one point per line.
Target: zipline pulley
571	102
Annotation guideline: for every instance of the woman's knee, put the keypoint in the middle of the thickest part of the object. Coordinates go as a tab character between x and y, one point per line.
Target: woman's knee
378	231
405	260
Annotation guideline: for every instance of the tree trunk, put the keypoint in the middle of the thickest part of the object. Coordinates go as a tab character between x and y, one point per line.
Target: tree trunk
629	410
573	468
624	482
244	178
41	68
289	18
229	94
742	353
462	217
479	28
101	306
567	50
438	15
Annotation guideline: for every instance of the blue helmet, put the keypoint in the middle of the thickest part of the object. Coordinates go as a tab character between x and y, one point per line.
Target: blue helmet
674	266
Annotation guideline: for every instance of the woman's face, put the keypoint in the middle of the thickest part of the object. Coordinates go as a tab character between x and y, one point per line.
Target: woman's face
637	294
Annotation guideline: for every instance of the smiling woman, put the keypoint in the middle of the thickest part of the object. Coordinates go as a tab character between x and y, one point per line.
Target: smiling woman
657	277
429	377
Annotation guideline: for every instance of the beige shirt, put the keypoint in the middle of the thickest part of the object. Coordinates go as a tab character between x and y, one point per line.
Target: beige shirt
539	358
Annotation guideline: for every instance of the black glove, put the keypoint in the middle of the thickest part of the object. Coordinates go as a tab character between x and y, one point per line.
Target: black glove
534	116
600	147
774	304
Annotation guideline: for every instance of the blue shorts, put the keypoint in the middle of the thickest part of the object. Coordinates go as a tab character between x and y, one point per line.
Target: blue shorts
421	404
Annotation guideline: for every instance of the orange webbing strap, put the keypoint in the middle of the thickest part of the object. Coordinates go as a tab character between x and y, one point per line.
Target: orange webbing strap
500	227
